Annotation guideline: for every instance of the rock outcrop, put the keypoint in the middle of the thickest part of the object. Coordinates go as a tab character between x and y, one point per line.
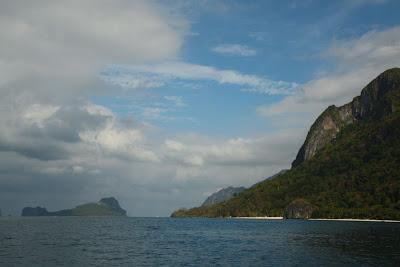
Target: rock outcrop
112	203
298	209
374	102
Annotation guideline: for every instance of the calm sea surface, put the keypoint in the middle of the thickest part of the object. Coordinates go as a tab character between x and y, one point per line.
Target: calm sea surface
74	241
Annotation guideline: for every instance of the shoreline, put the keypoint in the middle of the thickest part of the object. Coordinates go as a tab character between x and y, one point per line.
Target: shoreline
318	219
357	220
257	218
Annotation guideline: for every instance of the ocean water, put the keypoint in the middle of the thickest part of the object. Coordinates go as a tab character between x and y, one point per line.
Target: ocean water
75	241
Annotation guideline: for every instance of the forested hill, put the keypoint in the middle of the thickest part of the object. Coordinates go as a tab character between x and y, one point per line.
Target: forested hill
348	166
222	195
108	206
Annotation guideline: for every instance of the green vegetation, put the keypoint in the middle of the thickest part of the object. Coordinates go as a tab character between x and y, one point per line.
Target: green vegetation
356	175
298	209
105	207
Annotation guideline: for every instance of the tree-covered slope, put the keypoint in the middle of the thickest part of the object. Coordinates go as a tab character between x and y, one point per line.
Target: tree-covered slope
354	175
222	195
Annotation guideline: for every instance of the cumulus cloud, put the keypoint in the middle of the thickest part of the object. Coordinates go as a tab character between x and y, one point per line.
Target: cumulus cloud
53	133
118	139
58	149
235	49
197	150
357	60
55	148
86	151
373	49
55	49
72	151
139	77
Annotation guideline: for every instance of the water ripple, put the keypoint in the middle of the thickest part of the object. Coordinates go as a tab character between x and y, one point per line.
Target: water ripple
74	241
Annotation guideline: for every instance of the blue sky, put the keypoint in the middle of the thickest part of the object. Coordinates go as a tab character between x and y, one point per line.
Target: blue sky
281	40
161	103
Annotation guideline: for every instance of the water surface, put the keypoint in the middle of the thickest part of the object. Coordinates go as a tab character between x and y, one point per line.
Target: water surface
80	241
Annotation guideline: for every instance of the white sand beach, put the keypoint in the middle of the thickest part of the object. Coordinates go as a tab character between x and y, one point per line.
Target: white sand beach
259	218
344	220
356	220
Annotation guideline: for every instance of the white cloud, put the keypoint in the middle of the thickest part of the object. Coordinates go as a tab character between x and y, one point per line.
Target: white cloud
118	139
358	61
174	145
56	49
168	72
37	114
373	49
102	153
55	148
111	138
98	110
131	80
154	113
176	100
55	145
235	49
197	150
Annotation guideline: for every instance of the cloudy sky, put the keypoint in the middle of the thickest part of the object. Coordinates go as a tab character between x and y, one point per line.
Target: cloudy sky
160	103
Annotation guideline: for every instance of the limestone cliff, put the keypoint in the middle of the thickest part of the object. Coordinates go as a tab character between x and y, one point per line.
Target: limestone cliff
374	102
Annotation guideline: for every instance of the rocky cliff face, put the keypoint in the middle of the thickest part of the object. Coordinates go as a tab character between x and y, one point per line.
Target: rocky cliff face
375	101
112	203
222	195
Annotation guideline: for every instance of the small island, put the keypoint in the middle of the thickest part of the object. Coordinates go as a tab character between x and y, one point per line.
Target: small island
105	207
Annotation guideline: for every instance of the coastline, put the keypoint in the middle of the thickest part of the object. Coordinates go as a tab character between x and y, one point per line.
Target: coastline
357	220
258	218
318	219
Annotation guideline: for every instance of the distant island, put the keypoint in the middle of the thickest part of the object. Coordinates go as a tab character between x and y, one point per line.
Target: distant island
222	195
215	198
348	166
105	207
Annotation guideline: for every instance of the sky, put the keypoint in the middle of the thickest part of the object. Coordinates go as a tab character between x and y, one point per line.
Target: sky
161	103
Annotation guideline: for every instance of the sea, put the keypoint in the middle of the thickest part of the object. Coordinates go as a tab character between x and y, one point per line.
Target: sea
127	241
